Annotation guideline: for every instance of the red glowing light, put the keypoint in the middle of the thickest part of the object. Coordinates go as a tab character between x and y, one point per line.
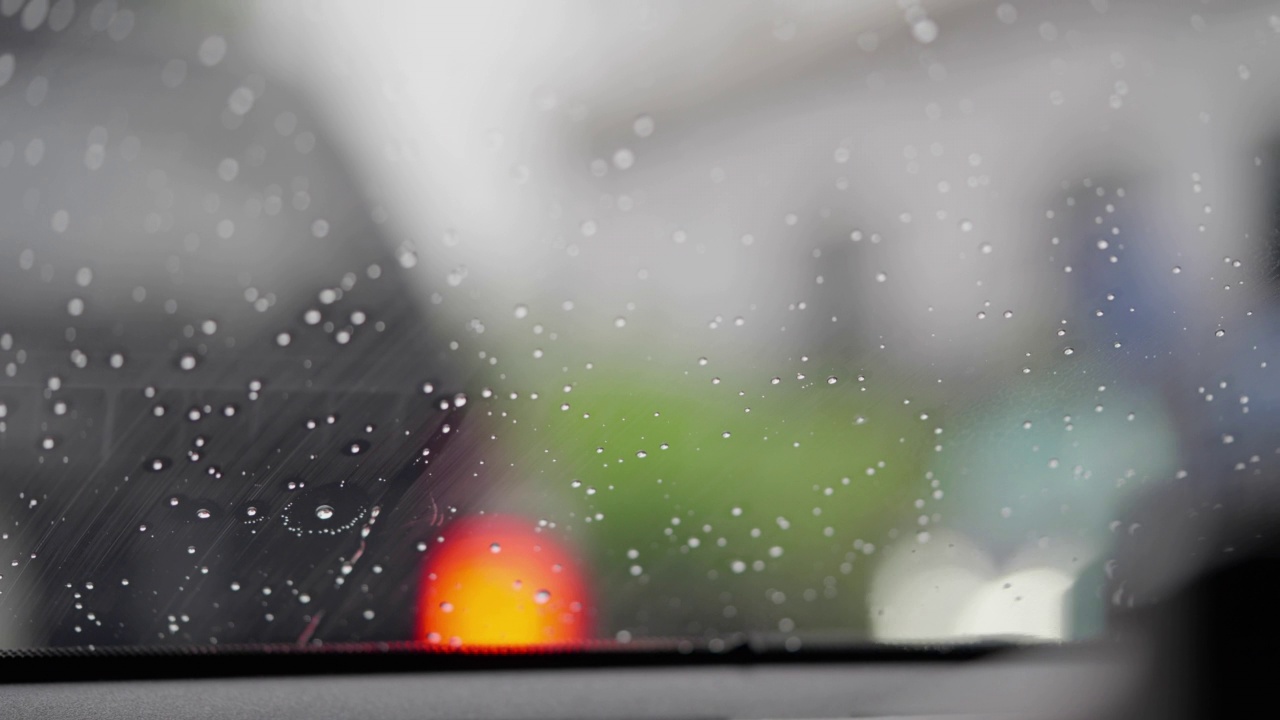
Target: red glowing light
496	582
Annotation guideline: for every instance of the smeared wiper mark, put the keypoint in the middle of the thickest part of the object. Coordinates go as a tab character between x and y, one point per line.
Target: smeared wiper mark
310	630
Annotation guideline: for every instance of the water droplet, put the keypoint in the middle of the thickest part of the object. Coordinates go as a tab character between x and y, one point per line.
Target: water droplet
623	159
620	322
641	454
542	597
924	31
283	339
1177	269
203	514
521	312
495	548
187	362
157	464
966	226
643	126
881	277
832	380
1219	332
1068	351
355	447
985	248
446	607
212	50
324	512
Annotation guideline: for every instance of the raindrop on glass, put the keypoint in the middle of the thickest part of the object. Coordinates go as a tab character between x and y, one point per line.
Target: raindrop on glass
212	50
643	126
924	31
355	447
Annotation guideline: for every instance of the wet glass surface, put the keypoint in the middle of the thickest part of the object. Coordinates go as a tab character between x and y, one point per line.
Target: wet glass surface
506	325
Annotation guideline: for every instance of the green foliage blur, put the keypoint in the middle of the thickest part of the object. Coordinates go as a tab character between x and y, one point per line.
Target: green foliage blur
689	532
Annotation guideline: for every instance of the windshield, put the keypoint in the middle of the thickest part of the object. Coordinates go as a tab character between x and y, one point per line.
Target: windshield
612	325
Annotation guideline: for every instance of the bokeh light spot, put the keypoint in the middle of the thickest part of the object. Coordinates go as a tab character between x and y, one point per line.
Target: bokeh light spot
530	593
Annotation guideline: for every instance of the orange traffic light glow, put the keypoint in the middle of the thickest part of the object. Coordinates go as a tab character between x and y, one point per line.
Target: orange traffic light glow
498	583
